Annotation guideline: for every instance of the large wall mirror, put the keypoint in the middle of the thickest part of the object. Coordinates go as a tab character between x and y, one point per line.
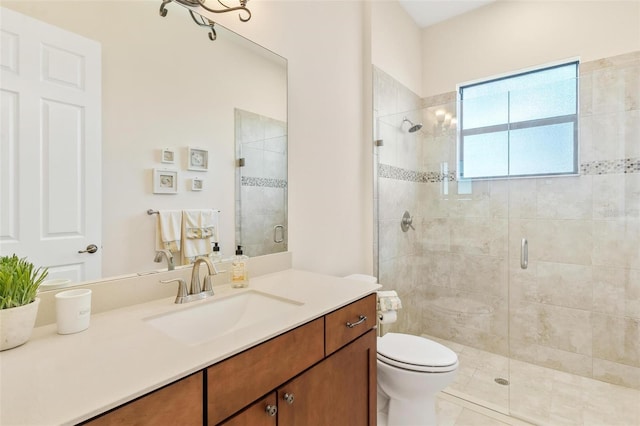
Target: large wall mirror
165	87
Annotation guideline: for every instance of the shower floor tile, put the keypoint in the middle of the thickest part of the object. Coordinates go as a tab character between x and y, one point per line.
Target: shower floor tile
537	394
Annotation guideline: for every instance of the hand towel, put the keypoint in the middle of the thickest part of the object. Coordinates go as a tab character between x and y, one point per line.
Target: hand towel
388	301
169	230
201	224
200	230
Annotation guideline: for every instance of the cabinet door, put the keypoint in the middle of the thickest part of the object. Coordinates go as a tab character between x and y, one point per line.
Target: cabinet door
257	414
341	390
238	381
180	403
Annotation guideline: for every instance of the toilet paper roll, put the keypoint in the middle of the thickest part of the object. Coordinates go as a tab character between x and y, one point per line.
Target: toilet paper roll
387	317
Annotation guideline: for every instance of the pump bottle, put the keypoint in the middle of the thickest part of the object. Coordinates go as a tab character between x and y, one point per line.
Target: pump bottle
216	256
239	270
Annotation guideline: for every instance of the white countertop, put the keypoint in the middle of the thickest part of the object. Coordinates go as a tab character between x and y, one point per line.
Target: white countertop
65	379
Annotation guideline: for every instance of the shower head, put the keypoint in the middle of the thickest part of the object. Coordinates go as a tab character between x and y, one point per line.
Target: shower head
414	127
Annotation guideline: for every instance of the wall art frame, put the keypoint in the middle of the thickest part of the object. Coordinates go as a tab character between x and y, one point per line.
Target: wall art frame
165	181
168	155
197	184
197	159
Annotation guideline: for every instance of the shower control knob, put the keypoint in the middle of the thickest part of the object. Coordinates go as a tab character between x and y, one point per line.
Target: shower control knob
289	398
407	222
91	248
271	410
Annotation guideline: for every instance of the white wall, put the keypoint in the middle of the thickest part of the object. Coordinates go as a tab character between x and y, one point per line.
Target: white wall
511	35
396	44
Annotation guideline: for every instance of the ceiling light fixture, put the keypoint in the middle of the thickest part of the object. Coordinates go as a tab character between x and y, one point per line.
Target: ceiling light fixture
199	19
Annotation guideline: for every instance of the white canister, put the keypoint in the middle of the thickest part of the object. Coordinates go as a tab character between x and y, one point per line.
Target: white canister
73	310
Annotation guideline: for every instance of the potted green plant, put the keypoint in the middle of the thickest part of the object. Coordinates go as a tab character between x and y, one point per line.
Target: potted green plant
19	282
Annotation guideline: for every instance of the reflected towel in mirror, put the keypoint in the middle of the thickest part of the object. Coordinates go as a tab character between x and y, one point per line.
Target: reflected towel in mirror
200	230
169	230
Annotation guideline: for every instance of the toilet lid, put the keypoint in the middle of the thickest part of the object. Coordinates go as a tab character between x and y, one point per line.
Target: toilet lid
415	353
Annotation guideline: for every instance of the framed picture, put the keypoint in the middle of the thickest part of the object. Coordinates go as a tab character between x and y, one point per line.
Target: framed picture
167	155
198	159
165	181
197	184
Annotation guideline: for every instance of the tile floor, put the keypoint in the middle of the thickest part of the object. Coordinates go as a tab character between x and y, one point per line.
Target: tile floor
453	411
538	395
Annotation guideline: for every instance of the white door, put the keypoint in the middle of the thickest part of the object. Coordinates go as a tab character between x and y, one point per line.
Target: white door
50	153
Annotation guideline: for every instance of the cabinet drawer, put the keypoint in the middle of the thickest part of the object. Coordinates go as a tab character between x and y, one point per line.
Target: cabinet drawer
235	383
178	403
338	333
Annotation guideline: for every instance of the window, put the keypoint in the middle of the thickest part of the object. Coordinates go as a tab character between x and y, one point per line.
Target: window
524	124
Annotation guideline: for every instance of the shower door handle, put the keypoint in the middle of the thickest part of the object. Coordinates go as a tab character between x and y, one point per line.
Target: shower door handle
275	233
524	254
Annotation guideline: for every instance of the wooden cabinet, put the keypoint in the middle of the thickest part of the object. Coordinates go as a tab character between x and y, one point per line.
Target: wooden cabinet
321	373
179	403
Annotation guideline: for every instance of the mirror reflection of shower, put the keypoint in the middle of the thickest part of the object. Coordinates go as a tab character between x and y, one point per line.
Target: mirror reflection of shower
261	183
414	127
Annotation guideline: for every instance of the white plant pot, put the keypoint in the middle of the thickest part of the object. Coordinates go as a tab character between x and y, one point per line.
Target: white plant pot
16	324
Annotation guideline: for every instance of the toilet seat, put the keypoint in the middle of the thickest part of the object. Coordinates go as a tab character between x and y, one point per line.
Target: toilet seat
415	353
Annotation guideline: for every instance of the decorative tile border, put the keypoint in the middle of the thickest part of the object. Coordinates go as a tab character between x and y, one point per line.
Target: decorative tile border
441	99
607	167
264	182
603	167
398	173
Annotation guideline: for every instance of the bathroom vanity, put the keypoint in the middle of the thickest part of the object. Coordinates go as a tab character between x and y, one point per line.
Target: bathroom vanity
312	363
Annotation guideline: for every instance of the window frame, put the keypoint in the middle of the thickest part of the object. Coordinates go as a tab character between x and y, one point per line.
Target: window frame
533	123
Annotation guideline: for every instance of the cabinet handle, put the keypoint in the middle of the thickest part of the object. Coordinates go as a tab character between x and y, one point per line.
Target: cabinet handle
288	397
361	319
271	410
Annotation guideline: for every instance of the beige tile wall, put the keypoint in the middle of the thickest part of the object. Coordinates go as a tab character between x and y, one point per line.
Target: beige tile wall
577	306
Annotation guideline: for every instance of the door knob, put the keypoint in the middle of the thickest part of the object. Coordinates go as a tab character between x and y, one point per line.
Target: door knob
91	248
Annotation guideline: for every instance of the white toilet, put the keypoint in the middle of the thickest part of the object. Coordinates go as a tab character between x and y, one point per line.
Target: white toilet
411	371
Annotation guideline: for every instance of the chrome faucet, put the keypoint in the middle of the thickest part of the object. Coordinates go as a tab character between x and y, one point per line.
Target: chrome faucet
196	292
166	254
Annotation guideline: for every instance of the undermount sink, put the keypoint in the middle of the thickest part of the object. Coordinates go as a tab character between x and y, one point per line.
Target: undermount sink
215	317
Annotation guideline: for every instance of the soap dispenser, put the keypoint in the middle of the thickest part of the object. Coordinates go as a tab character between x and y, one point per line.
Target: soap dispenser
239	270
216	256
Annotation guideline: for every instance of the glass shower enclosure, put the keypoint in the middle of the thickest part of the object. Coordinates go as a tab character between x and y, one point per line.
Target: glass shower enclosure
557	340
